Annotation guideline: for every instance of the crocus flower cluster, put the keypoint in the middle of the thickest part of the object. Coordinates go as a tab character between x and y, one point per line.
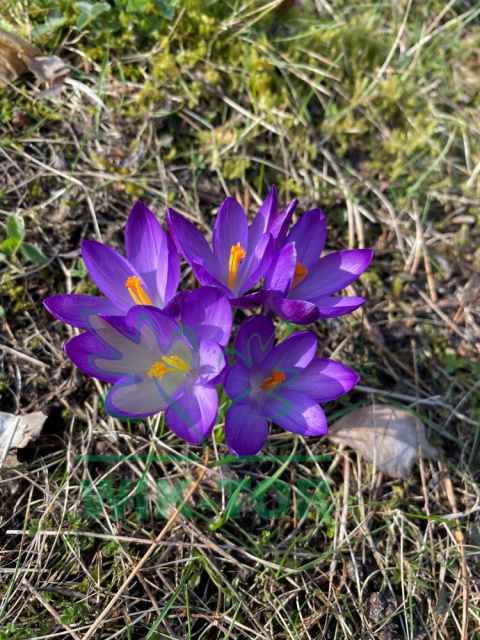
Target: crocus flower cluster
164	350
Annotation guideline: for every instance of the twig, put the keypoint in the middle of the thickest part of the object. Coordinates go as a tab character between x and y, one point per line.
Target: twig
51	610
430	523
442	315
23	356
147	555
460	538
433	401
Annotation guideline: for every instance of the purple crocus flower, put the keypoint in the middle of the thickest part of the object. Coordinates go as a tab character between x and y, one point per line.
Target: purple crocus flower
157	364
283	384
300	284
148	276
241	253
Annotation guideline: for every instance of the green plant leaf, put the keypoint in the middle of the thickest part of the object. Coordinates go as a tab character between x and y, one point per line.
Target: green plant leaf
53	21
167	7
99	8
85	7
136	6
33	253
15	227
80	271
231	503
9	246
89	12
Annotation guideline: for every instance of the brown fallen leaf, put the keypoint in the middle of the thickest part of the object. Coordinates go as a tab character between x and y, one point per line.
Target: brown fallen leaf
16	432
18	57
385	435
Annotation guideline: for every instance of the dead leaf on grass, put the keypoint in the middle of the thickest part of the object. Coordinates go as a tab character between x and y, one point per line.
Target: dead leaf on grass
18	57
16	432
385	435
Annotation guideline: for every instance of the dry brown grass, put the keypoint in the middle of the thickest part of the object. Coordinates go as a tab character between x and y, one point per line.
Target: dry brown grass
381	558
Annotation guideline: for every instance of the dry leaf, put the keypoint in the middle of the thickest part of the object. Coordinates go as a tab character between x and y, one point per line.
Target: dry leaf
16	432
47	68
17	57
385	435
9	476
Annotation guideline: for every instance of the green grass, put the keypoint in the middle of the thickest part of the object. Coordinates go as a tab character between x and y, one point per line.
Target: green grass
367	110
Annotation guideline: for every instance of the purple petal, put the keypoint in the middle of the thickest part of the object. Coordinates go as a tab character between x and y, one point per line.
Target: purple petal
334	307
309	235
175	305
211	362
245	431
189	241
332	273
279	227
206	279
152	253
118	346
254	340
238	384
257	262
110	272
295	412
297	350
192	416
297	311
153	328
74	308
230	229
82	351
278	279
134	397
249	301
324	380
208	314
265	215
168	278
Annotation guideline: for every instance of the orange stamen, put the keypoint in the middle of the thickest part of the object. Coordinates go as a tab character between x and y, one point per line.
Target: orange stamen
236	256
273	381
299	275
135	289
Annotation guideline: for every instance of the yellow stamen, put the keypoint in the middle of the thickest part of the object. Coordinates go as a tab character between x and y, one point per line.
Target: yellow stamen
299	275
158	369
135	289
273	381
236	256
176	363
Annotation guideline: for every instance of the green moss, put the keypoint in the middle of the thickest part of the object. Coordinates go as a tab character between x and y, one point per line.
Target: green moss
134	190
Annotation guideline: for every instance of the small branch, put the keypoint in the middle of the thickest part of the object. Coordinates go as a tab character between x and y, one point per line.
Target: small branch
23	356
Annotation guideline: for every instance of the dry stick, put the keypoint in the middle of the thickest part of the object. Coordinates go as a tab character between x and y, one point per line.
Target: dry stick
429	274
417	250
148	553
372	333
430	523
460	538
51	610
23	356
442	315
69	178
